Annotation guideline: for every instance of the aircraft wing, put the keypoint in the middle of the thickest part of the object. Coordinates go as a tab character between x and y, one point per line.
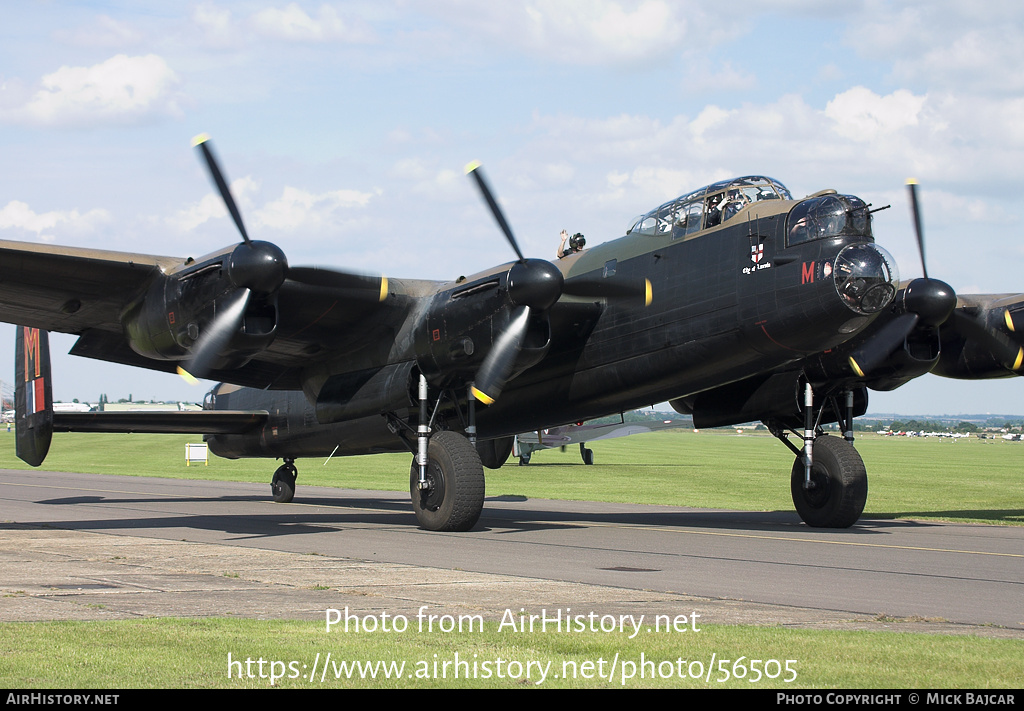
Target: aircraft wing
983	337
87	292
70	289
573	434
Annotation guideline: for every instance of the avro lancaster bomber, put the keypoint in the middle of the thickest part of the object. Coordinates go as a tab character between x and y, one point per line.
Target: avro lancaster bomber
735	302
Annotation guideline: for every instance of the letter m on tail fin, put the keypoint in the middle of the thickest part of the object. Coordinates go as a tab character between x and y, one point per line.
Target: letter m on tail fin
33	395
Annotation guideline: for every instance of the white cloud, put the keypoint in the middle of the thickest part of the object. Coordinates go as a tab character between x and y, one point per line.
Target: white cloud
594	31
293	24
410	169
708	119
856	141
579	32
426	177
556	174
300	209
863	115
663	183
945	43
121	90
215	24
17	215
444	185
701	77
211	206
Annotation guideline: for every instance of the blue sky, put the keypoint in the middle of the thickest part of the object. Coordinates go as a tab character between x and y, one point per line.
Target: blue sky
344	127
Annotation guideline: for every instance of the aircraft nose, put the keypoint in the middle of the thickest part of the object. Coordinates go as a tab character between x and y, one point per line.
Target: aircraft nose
866	277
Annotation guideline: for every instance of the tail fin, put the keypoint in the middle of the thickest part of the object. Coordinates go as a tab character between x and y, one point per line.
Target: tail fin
33	395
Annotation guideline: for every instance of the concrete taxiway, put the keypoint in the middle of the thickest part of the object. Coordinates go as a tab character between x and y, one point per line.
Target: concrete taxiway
83	546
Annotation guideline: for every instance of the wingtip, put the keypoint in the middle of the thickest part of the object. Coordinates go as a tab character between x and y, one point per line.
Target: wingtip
201	138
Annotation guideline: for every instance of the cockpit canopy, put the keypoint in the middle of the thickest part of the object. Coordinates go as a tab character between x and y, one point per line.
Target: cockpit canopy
709	206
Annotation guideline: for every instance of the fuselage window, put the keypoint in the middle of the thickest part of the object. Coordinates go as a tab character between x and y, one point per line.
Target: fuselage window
688	219
648	226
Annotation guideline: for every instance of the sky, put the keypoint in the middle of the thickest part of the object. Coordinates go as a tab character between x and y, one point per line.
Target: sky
344	128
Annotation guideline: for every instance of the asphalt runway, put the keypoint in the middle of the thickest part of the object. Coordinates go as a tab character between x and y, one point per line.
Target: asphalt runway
127	534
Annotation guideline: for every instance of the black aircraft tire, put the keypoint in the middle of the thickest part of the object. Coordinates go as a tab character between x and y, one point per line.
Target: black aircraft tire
587	455
455	498
282	486
842	485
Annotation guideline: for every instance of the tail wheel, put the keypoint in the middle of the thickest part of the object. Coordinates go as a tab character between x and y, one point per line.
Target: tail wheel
282	486
840	485
454	497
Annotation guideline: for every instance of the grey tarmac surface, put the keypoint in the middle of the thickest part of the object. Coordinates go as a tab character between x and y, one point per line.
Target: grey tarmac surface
83	546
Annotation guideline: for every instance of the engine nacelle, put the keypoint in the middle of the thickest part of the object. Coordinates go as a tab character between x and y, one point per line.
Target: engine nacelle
463	324
172	315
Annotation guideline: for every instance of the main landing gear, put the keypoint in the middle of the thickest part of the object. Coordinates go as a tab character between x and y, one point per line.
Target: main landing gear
840	485
446	480
453	497
829	482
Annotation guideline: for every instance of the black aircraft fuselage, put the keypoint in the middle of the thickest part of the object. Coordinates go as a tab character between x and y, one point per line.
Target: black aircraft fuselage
741	298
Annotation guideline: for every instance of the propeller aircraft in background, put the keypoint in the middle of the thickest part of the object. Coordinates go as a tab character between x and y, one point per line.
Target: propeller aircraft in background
580	433
735	302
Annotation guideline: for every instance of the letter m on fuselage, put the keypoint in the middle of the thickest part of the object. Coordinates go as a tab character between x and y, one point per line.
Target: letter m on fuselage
807	273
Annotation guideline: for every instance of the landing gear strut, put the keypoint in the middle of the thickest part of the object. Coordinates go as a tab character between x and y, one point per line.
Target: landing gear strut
829	482
283	484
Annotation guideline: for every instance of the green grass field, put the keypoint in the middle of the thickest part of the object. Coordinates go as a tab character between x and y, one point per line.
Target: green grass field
171	653
969	480
923	478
